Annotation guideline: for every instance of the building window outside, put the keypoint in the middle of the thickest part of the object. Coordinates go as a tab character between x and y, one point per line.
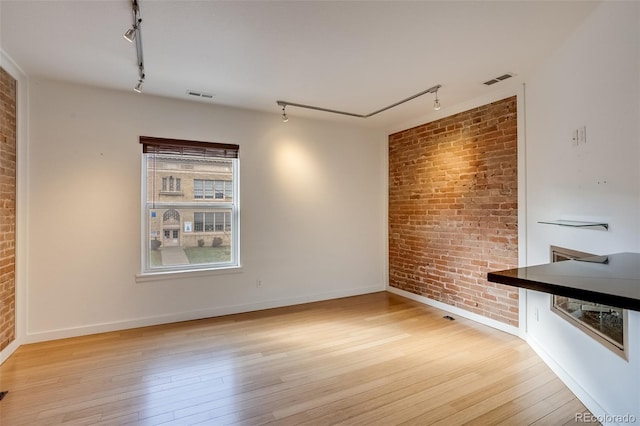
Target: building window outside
171	185
212	189
212	221
171	216
197	228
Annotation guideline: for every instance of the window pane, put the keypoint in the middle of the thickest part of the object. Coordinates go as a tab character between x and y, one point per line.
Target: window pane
198	222
228	189
208	222
198	188
227	221
208	189
189	220
219	187
219	221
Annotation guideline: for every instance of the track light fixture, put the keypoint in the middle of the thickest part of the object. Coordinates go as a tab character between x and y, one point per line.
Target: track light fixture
130	34
138	87
134	33
284	104
285	118
436	103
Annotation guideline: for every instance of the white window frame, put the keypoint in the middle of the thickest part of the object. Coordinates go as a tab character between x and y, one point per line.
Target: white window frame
197	269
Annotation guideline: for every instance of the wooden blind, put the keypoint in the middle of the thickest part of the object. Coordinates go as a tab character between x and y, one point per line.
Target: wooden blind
188	148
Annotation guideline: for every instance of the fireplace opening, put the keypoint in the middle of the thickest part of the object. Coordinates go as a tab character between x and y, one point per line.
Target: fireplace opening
604	323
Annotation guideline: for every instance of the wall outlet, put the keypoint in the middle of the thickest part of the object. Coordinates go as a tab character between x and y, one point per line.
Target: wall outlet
258	283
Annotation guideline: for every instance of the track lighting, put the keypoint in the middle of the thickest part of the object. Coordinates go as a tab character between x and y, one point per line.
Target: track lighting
436	103
135	33
433	89
138	87
130	35
285	118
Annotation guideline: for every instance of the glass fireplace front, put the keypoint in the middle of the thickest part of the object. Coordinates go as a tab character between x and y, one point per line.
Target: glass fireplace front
602	322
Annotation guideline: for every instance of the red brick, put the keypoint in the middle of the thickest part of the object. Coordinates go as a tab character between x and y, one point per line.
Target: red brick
7	207
453	209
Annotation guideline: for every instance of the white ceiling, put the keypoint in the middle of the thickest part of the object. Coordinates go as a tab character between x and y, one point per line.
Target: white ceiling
356	56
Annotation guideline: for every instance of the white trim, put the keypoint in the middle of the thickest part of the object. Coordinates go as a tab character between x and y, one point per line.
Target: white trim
63	333
8	351
385	212
580	393
522	202
22	205
10	66
457	311
185	273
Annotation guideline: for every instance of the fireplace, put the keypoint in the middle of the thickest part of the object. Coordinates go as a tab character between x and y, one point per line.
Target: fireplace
606	324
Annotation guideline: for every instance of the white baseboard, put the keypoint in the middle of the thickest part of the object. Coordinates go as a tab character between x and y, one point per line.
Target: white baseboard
10	349
457	311
580	393
192	315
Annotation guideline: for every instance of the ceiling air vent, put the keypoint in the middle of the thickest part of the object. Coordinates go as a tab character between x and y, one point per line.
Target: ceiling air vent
199	94
498	79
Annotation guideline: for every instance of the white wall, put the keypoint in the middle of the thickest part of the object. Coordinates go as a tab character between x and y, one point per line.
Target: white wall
312	210
593	81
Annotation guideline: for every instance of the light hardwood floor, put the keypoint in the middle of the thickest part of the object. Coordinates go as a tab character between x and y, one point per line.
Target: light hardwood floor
375	359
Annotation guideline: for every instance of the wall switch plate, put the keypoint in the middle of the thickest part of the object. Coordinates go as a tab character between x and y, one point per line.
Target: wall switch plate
582	135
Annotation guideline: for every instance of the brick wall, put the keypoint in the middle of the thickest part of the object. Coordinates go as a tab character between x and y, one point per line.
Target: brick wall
453	209
7	207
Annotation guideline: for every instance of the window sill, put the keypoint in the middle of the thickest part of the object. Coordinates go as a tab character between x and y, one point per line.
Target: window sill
194	273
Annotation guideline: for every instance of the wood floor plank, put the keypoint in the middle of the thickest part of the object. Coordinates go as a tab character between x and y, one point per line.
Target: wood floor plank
372	359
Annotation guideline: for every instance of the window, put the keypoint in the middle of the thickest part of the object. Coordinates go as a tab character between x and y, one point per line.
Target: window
171	185
190	205
171	216
212	221
212	189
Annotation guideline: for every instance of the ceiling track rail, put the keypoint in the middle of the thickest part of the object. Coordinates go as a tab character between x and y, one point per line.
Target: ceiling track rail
134	35
137	21
284	104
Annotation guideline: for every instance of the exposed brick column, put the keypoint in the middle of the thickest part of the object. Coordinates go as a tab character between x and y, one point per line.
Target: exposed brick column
453	209
7	208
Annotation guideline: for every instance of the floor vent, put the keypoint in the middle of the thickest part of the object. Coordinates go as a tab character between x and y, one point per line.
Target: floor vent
498	79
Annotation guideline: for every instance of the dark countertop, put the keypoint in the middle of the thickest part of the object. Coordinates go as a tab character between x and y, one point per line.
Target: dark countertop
612	280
